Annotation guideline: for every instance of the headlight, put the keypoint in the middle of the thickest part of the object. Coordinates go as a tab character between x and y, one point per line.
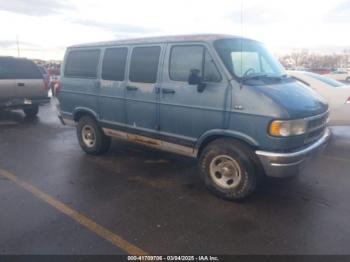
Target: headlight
288	128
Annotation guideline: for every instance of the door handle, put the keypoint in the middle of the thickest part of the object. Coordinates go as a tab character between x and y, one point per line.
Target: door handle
20	84
132	88
168	91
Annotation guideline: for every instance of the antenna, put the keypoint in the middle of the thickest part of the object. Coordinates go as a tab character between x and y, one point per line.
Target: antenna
18	50
241	84
241	18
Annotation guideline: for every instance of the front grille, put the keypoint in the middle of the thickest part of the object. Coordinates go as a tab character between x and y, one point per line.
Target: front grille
316	127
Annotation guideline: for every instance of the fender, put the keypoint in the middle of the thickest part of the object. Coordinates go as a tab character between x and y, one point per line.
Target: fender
225	133
80	110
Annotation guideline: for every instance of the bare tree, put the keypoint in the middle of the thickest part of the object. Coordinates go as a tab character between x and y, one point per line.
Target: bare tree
304	58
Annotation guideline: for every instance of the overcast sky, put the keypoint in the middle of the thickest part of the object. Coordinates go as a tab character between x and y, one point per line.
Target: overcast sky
45	27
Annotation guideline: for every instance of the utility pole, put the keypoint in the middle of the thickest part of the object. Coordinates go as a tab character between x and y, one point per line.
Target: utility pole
18	51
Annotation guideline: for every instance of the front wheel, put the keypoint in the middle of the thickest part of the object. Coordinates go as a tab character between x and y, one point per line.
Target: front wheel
229	169
91	137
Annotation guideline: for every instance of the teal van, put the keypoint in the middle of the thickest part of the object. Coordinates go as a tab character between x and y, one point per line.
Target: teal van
222	99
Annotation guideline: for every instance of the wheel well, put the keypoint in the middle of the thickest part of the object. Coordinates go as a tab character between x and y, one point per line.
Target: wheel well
80	114
210	139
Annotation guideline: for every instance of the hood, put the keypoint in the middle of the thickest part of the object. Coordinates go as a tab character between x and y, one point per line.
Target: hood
297	99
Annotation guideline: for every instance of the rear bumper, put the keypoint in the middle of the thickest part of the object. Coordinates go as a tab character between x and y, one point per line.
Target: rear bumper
289	164
17	103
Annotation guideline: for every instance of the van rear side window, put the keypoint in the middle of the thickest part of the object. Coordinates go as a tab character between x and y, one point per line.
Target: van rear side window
114	61
144	64
82	64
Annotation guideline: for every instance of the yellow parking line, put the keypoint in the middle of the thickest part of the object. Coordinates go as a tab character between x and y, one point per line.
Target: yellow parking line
81	219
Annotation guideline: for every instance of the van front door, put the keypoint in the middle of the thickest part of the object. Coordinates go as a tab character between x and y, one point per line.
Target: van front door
186	112
141	89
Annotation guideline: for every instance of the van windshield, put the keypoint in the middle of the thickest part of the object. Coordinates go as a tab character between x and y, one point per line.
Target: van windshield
248	59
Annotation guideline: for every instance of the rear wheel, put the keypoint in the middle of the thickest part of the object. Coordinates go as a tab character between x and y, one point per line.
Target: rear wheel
31	111
229	169
91	137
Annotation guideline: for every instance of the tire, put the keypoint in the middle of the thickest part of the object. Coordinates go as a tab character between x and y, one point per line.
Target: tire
91	137
229	169
348	80
31	112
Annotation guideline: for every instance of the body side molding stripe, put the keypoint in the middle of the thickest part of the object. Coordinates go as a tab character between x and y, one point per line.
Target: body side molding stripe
151	142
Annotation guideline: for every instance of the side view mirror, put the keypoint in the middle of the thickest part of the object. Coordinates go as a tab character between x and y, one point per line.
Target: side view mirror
195	79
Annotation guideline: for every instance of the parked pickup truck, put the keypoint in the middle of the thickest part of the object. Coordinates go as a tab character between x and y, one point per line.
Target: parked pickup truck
22	86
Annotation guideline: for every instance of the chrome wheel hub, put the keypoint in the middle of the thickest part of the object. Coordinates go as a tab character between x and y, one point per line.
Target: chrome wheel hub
88	136
225	172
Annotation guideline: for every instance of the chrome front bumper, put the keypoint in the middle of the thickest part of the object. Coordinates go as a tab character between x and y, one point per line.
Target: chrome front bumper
289	164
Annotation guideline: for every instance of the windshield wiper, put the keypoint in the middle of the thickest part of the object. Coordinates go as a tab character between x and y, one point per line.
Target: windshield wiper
253	77
263	76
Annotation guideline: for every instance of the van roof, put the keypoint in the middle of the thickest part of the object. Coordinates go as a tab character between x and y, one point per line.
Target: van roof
160	39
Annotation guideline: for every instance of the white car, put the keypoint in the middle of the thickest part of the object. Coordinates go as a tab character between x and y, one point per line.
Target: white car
339	75
336	93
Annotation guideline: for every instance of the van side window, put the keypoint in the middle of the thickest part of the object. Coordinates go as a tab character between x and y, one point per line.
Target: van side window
114	61
82	63
144	64
185	58
211	73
